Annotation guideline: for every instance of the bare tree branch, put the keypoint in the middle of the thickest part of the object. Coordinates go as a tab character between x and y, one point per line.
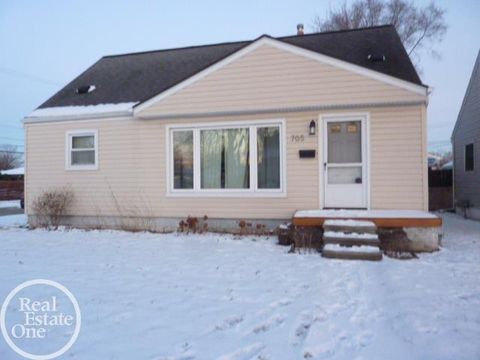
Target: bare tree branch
418	28
9	157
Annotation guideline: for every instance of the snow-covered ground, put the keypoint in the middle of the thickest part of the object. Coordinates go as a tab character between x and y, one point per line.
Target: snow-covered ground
149	296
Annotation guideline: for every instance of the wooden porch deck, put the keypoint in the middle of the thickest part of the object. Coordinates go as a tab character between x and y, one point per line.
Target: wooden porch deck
381	218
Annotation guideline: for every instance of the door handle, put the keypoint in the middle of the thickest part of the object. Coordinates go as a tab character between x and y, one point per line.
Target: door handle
324	165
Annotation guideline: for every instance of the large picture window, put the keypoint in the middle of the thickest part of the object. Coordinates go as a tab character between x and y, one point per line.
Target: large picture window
227	159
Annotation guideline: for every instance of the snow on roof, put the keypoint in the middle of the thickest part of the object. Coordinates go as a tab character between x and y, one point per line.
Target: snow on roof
17	171
83	110
447	166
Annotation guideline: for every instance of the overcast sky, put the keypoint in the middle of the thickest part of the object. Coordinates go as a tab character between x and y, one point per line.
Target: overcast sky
45	44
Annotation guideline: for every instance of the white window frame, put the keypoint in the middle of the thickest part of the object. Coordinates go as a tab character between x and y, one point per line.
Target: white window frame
253	191
69	148
465	158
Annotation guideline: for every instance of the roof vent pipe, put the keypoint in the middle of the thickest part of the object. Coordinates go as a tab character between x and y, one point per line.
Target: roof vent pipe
300	29
85	89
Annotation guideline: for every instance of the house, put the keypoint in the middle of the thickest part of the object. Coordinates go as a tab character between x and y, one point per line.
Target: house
243	130
466	149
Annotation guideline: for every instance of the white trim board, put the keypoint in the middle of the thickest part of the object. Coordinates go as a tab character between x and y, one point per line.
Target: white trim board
75	119
417	89
252	112
80	112
280	110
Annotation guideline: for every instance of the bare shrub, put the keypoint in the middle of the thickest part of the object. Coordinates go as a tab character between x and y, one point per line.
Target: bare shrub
285	234
245	227
51	205
307	240
193	225
248	228
261	229
133	217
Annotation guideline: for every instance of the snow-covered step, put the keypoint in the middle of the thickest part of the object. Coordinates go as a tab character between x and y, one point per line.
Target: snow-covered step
350	225
350	239
363	252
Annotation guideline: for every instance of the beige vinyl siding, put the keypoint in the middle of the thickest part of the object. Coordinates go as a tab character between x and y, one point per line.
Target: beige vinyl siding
269	78
132	173
397	159
131	179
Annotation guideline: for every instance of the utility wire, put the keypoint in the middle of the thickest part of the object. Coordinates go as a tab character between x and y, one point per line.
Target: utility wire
10	145
9	138
24	75
12	126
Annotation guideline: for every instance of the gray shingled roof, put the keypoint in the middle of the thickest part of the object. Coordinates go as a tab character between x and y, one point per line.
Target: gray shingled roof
138	77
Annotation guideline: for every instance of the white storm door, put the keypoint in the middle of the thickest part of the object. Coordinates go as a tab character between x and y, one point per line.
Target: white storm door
345	175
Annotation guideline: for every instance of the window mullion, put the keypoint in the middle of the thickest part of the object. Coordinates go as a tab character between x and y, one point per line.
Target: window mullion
70	157
253	158
196	160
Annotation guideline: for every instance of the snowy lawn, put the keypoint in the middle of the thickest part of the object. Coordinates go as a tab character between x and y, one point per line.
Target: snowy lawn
148	296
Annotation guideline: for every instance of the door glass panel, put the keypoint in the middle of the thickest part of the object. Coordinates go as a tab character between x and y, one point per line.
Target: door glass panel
344	142
345	175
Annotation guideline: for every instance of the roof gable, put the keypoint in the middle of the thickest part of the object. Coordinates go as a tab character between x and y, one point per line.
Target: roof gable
271	76
284	46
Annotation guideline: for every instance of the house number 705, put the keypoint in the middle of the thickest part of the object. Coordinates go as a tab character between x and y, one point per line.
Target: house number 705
297	138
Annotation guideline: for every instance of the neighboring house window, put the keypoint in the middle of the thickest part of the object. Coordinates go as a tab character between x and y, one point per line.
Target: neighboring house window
227	159
82	150
469	161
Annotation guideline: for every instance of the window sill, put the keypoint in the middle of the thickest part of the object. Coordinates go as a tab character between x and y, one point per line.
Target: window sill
227	194
81	168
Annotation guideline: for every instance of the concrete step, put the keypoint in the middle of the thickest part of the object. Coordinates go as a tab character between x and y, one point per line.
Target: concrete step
335	251
350	239
350	225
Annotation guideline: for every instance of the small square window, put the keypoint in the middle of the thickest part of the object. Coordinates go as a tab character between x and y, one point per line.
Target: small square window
82	150
469	158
